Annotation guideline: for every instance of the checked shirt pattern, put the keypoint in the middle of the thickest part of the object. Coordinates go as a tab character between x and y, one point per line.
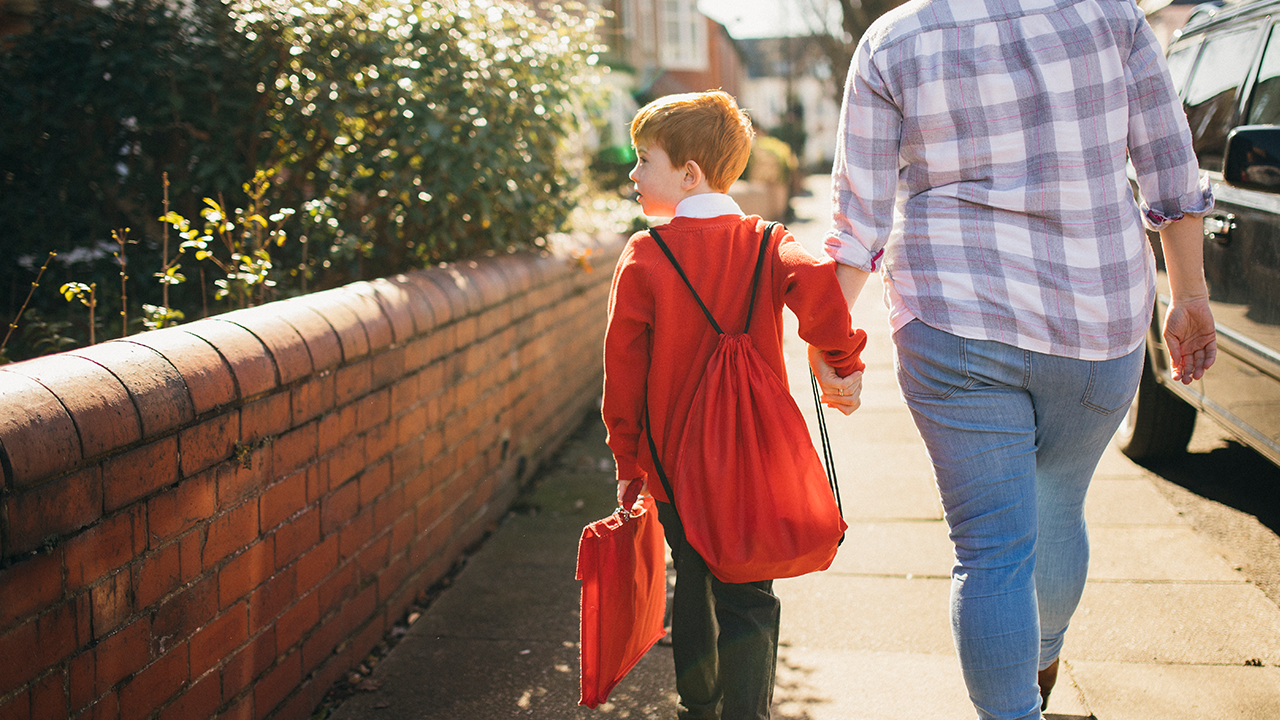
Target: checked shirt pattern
981	162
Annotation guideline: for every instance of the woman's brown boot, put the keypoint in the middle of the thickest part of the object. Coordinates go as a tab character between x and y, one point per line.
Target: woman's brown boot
1046	678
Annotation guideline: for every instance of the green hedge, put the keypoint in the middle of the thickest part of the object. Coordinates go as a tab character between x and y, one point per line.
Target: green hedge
428	133
403	134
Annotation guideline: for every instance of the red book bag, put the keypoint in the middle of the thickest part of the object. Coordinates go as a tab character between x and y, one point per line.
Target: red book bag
624	593
748	485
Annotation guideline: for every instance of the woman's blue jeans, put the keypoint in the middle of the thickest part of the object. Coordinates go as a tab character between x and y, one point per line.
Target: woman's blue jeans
1014	437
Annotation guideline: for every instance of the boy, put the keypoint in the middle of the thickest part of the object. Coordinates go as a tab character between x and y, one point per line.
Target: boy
690	148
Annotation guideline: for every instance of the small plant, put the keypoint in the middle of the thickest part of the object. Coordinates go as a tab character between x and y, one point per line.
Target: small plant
122	239
164	315
244	234
88	296
160	316
45	337
14	325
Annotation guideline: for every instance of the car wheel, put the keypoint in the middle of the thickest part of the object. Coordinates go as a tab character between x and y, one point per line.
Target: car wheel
1158	423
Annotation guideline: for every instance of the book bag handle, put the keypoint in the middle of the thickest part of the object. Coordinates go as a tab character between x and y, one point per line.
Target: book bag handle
828	458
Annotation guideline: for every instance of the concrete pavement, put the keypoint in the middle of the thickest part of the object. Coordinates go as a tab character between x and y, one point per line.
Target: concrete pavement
1167	628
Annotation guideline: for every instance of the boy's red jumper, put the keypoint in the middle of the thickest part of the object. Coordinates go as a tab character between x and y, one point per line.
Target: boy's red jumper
658	341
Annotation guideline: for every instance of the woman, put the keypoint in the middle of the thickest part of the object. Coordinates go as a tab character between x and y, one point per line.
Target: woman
981	166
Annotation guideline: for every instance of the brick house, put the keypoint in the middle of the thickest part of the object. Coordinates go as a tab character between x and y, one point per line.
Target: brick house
668	46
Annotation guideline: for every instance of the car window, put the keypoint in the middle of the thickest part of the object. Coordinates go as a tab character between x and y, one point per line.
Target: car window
1181	57
1264	108
1210	99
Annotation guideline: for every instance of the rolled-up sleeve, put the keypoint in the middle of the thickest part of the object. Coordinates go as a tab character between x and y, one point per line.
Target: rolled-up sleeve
1169	179
865	173
812	292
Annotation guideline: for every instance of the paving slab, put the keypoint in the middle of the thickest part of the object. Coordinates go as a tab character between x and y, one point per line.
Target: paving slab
887	486
872	424
453	678
1128	501
1179	622
832	611
1145	691
1156	553
506	598
1113	464
880	402
817	684
903	548
824	684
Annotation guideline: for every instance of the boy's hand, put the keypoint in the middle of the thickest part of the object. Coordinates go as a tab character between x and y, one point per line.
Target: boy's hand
840	393
635	486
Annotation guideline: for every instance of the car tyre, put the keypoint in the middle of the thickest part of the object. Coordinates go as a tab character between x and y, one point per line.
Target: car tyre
1158	424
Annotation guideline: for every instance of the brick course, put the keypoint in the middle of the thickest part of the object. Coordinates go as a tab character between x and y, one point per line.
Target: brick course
219	519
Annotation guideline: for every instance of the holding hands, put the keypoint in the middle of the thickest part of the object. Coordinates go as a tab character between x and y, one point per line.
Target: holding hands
840	393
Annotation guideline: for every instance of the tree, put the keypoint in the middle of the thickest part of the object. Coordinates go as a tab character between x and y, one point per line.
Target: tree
838	45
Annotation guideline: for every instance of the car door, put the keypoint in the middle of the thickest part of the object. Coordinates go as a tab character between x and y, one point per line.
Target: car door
1242	234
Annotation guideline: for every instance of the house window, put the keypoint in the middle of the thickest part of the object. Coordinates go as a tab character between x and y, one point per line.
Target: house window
639	31
683	36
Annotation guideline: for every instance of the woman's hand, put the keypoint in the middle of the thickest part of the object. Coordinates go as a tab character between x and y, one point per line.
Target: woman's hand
1188	326
840	393
1190	336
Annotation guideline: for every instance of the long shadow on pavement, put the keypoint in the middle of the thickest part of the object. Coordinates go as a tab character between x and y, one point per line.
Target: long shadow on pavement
1233	475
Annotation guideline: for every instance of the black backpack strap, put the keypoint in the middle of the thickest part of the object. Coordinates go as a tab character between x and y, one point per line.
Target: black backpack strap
828	458
667	251
755	280
657	464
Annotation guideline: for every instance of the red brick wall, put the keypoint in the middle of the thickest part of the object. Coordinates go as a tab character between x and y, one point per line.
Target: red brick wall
220	519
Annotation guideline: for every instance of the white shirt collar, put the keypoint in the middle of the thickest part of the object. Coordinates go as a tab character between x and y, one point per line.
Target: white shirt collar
707	205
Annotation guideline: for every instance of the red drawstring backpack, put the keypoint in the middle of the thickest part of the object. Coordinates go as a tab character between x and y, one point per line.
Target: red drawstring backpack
623	570
748	485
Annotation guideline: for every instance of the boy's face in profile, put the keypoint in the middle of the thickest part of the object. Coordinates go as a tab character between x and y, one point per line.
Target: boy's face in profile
660	184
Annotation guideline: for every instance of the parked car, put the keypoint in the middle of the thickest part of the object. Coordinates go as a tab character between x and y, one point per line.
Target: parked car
1226	64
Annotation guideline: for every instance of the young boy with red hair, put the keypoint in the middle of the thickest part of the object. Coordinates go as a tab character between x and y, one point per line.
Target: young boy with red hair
690	148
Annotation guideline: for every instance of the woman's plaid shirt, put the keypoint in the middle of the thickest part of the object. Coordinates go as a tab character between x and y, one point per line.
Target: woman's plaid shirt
982	151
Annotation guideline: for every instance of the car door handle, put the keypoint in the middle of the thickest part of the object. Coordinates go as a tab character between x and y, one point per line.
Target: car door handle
1218	227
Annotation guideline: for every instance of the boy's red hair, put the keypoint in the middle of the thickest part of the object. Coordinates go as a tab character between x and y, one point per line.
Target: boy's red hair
707	127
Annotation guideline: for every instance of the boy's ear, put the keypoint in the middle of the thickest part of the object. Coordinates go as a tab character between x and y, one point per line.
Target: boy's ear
693	175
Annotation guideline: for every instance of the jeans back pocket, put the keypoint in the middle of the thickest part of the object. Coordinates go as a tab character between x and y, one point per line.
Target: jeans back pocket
929	363
1113	383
